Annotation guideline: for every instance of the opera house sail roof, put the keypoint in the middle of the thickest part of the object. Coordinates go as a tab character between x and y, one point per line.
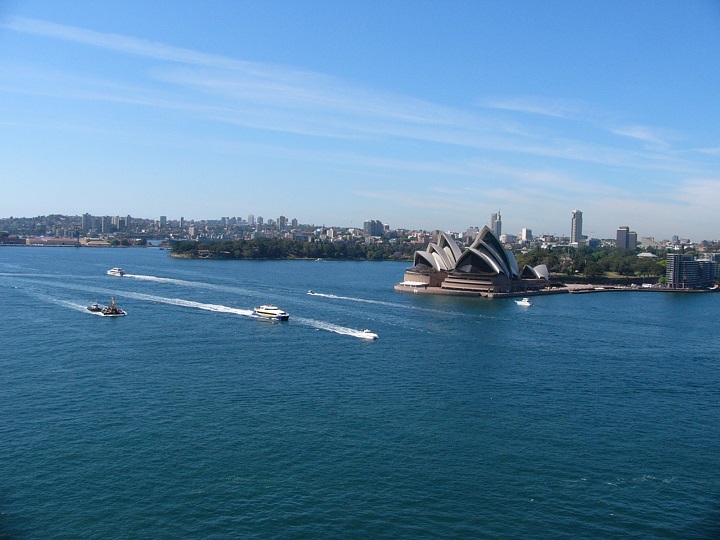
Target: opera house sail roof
483	266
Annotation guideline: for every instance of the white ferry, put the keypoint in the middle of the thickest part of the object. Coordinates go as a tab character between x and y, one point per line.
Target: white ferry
270	312
116	272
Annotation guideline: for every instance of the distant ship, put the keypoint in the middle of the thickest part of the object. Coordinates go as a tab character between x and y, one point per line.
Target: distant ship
116	272
108	311
270	312
524	302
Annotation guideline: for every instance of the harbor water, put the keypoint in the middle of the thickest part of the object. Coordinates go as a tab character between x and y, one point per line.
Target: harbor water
582	416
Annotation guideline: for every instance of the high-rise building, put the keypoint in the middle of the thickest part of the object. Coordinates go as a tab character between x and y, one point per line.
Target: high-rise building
86	222
526	235
626	239
576	235
632	240
251	219
622	239
373	227
496	223
182	222
163	221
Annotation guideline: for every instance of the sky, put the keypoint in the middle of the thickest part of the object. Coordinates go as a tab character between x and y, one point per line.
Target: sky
421	114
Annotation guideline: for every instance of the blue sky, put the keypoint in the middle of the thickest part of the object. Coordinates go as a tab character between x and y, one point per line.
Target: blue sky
421	114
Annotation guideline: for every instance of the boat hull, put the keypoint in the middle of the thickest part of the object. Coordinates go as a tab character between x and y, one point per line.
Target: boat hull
271	317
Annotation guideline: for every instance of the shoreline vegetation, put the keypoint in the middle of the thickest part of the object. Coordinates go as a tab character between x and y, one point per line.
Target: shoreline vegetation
581	270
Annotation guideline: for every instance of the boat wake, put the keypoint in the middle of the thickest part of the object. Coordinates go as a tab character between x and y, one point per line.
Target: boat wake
330	327
161	279
396	305
188	283
218	308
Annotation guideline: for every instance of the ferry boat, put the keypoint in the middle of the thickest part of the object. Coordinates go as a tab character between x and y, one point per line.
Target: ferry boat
270	312
116	272
524	302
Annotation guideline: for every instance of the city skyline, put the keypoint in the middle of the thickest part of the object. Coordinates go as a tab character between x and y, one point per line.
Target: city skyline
429	119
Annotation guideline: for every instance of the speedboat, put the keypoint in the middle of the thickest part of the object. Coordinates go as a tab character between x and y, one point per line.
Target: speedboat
112	310
524	302
94	308
272	313
311	292
116	272
367	334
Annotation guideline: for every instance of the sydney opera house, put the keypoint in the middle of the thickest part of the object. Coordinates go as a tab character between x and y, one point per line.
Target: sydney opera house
485	268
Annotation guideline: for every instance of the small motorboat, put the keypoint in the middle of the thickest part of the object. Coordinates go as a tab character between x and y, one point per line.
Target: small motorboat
367	334
311	292
112	310
272	313
116	272
94	308
524	302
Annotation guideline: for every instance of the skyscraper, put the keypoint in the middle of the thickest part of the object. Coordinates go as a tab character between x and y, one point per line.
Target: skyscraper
576	235
496	223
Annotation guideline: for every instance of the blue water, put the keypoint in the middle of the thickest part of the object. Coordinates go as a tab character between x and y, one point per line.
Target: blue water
584	416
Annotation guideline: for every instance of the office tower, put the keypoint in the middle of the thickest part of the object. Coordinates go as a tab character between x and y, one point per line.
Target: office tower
163	221
623	237
576	235
496	223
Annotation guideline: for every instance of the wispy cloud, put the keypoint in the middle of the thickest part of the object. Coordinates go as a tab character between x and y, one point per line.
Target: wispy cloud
298	102
555	108
657	138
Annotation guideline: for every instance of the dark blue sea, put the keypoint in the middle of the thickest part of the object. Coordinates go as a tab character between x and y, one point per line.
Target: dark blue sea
583	416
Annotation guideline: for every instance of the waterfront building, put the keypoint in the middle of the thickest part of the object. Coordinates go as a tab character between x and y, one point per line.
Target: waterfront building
576	235
682	271
485	268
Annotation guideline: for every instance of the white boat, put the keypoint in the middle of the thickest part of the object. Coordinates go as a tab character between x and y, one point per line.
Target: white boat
367	334
524	302
116	272
270	312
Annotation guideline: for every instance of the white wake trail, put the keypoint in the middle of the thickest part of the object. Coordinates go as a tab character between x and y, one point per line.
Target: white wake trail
330	327
218	308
